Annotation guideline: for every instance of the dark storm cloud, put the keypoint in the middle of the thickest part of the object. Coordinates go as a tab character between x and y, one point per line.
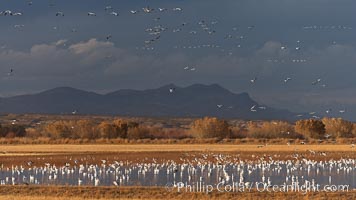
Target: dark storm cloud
45	52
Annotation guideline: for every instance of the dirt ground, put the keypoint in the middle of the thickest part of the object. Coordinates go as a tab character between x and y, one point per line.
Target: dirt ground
78	193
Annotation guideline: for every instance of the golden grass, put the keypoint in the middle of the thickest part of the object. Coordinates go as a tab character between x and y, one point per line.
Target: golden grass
38	149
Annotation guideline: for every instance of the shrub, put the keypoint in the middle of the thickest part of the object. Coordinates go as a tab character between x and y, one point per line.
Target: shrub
11	131
337	127
107	130
138	133
60	129
271	130
311	127
210	127
86	129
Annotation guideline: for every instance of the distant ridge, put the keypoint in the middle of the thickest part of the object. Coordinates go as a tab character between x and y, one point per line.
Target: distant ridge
193	101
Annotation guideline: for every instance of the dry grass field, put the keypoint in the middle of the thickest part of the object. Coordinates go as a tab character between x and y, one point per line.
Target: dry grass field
38	149
59	154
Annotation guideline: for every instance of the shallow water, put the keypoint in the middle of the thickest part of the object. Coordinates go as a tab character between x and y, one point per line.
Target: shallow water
272	172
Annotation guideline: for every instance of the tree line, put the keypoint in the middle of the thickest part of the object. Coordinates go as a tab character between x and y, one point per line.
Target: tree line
208	127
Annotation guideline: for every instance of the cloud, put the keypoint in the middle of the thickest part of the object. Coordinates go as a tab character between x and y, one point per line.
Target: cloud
90	46
55	59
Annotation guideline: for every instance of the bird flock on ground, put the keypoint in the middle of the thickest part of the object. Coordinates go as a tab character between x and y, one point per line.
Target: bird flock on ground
209	168
236	37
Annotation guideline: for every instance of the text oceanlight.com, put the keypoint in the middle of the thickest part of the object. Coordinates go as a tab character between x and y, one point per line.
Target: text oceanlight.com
201	187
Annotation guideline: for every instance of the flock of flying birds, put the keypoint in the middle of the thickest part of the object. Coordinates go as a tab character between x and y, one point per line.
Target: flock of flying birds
208	27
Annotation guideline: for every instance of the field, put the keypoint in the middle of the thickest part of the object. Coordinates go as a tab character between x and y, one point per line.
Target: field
40	154
20	154
39	151
168	148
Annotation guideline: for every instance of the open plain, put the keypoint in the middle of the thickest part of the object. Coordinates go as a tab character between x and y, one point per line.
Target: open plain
95	154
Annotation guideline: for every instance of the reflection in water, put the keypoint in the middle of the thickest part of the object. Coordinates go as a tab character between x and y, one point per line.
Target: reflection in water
341	172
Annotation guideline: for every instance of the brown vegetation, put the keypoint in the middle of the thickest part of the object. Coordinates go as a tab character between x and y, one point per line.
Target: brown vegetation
311	128
210	127
88	129
338	128
272	130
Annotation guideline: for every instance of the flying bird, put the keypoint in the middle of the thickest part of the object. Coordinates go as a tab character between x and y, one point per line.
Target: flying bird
108	8
253	108
253	80
327	136
133	11
11	72
342	111
114	13
177	9
287	79
19	26
316	81
60	14
147	9
17	14
6	13
91	14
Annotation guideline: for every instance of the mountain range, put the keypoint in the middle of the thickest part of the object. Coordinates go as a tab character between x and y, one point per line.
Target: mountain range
168	101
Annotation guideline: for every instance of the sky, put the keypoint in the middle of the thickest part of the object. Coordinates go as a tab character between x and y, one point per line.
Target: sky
286	46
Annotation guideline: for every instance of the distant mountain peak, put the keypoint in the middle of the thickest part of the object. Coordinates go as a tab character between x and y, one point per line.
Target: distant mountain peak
213	88
194	100
62	89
